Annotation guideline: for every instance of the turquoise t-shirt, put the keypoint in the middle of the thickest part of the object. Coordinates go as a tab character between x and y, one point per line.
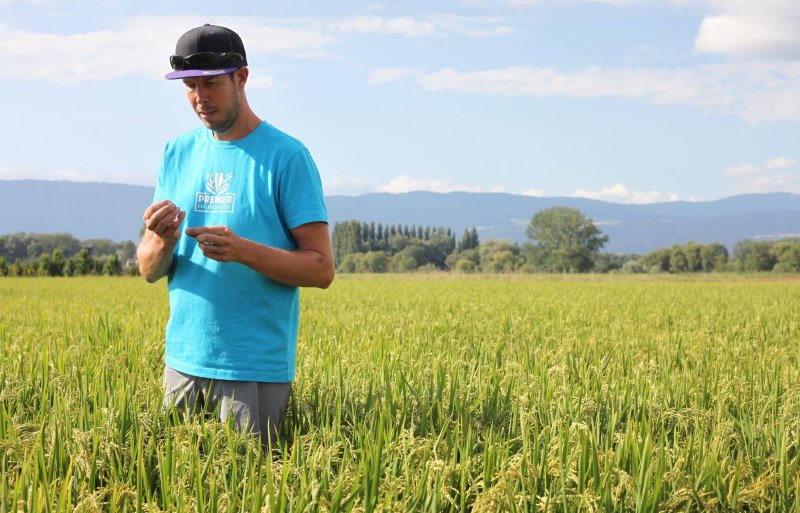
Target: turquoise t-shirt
228	321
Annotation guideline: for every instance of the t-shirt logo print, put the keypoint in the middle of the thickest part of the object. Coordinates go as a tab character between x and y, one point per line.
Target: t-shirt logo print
216	197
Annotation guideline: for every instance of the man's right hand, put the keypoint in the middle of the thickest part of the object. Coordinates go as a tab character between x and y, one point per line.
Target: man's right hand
164	219
163	222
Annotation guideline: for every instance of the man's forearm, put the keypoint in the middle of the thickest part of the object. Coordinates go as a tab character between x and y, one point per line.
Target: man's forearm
299	268
155	256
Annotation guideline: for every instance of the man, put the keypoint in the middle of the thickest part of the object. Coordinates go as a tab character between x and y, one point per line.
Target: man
251	200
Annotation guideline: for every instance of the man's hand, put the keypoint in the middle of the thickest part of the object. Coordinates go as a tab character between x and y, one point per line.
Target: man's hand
164	219
218	243
309	265
163	222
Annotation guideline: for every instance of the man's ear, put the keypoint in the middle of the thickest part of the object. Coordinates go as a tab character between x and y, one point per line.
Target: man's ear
240	76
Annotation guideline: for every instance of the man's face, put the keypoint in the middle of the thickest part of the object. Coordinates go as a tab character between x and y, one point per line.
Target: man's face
215	100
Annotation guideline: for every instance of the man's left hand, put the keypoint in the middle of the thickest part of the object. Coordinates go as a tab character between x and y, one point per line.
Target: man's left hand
218	242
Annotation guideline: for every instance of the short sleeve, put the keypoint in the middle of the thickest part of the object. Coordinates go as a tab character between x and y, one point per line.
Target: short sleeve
300	190
159	193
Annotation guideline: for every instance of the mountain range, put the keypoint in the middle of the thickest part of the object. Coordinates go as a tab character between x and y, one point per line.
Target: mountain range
114	211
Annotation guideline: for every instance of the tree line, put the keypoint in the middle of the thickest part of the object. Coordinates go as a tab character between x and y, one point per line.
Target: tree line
60	254
560	240
782	256
370	247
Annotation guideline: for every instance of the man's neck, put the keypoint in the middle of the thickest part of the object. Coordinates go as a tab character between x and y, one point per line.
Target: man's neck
243	127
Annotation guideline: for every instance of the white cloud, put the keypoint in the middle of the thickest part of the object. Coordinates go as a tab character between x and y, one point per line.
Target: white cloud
750	28
438	25
499	188
138	48
618	193
755	91
404	183
741	28
472	26
403	26
776	175
295	41
345	185
741	171
780	163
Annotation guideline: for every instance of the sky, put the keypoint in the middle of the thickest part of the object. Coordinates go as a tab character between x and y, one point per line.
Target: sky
628	101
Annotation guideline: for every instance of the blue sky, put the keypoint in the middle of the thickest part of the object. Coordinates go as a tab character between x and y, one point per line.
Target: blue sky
630	101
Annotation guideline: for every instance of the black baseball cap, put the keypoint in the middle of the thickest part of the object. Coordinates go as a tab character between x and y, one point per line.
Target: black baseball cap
207	51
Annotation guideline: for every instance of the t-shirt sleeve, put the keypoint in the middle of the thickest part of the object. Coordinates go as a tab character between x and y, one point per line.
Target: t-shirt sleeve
159	192
300	189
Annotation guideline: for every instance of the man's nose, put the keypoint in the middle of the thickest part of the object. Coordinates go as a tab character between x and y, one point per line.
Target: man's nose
201	94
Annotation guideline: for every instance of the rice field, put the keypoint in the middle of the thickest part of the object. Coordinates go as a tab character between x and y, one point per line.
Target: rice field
419	393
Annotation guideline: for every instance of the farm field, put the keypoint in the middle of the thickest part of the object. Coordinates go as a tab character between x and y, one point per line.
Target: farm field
419	393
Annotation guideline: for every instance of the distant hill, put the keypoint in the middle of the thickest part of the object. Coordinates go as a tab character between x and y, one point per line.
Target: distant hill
113	211
86	210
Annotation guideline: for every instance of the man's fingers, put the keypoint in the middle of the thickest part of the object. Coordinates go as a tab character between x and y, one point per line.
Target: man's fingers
166	213
177	221
196	231
209	239
155	207
165	220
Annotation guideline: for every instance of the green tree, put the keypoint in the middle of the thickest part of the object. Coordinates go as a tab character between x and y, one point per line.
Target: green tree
657	260
44	265
57	263
346	239
410	258
754	256
112	266
678	263
787	256
713	257
352	263
499	256
376	262
397	243
403	263
469	240
84	264
608	262
133	269
437	247
15	246
466	261
564	240
16	269
633	267
694	256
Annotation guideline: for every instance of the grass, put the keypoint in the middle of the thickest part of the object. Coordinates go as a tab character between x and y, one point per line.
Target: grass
420	393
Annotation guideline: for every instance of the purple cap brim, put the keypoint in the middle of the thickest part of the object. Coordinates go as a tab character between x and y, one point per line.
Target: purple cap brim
187	73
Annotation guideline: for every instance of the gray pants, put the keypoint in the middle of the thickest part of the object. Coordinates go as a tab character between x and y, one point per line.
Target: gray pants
255	406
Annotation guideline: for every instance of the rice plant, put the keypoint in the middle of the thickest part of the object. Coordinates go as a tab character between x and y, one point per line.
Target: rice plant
419	393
